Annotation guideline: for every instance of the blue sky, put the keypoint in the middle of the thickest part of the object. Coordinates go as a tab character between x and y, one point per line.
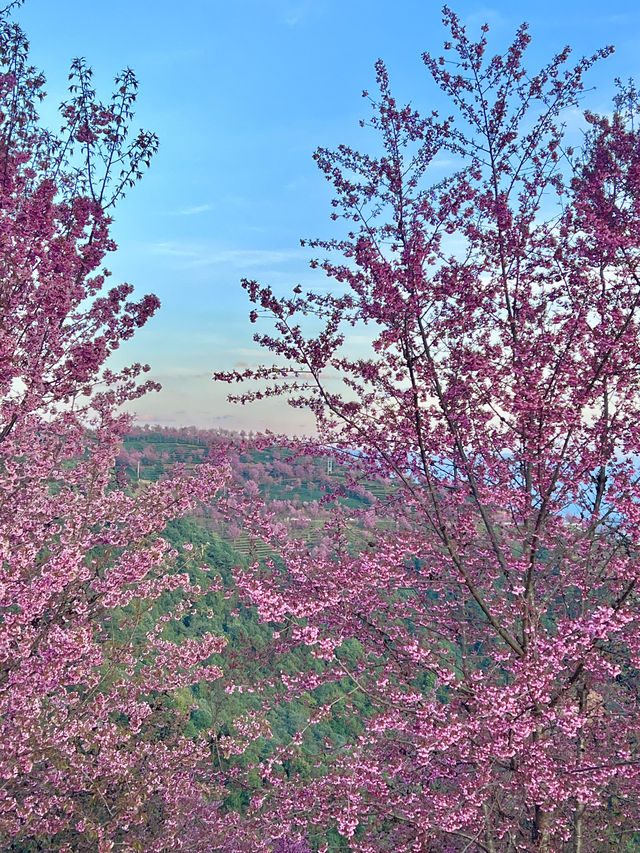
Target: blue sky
241	93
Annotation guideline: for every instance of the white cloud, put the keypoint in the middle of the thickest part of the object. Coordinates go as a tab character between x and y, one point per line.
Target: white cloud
183	373
201	255
192	211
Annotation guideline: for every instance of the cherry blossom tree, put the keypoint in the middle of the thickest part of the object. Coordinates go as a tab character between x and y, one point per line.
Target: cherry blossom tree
487	609
93	755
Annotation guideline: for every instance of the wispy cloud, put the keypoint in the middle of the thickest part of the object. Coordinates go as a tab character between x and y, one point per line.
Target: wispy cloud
181	373
623	18
484	15
201	255
176	56
445	163
294	13
192	211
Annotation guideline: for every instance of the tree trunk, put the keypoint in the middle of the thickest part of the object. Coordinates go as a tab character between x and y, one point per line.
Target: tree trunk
541	830
488	836
578	818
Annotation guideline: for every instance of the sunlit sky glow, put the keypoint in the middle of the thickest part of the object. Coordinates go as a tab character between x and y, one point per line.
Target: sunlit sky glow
240	93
